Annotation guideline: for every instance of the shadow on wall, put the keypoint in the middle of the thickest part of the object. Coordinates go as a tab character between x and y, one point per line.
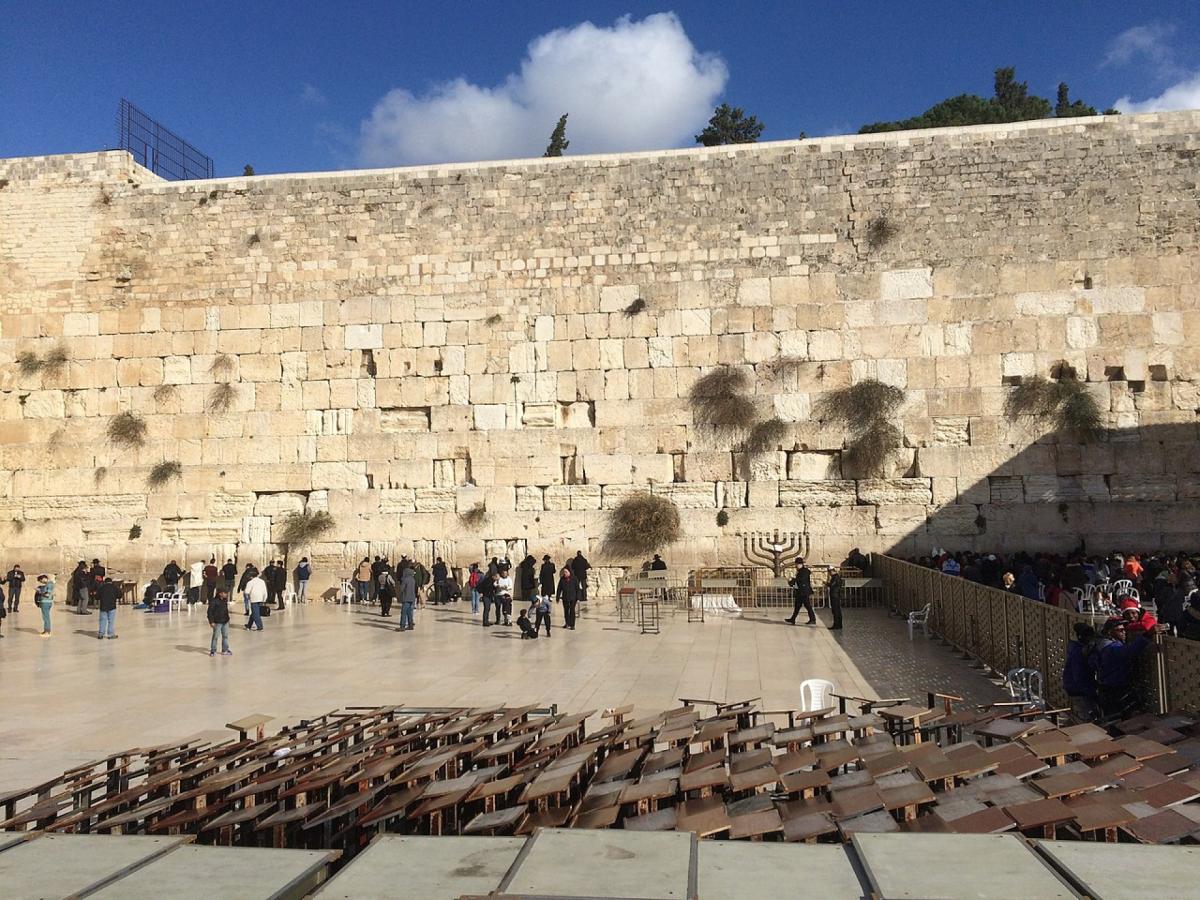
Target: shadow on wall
1134	488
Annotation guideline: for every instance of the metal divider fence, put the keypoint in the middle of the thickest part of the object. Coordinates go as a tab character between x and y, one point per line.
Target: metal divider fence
1004	631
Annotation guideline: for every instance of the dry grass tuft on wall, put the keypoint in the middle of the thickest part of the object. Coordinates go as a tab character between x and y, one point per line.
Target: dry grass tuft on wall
135	532
165	392
473	517
1067	404
765	435
164	472
127	429
221	397
222	365
637	306
866	411
868	452
880	230
305	527
640	524
56	359
28	362
719	400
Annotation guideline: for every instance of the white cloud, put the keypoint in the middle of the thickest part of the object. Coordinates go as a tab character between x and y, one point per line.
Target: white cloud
313	95
1149	42
1181	95
634	85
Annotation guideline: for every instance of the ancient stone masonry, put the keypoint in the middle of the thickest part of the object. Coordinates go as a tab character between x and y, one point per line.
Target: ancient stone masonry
404	346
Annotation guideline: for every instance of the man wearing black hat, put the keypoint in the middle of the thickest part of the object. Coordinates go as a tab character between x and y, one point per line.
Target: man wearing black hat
802	588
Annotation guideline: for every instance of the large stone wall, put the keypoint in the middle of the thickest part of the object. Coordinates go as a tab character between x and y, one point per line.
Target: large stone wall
408	344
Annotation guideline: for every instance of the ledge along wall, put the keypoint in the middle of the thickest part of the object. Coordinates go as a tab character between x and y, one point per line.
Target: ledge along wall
406	345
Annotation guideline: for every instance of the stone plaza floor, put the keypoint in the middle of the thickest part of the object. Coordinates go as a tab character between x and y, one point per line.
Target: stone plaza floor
71	698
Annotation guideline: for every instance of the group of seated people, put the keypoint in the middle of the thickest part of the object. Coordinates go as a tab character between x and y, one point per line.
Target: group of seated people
1141	590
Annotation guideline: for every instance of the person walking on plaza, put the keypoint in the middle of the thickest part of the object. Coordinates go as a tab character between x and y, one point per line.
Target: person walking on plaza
218	618
837	590
256	591
279	583
543	605
96	575
43	599
107	601
568	596
802	587
79	589
579	569
362	581
385	590
15	580
408	598
229	575
248	573
303	573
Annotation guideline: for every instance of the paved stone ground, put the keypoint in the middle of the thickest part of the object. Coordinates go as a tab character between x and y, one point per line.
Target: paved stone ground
71	698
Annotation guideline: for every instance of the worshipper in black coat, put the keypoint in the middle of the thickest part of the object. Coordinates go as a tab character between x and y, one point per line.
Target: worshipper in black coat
526	580
279	582
568	596
546	577
579	568
802	586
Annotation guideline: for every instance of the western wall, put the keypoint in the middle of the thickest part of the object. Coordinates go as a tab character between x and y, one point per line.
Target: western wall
407	345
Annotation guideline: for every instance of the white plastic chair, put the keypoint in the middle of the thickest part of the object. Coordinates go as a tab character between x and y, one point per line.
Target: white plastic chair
288	597
919	619
815	693
1124	586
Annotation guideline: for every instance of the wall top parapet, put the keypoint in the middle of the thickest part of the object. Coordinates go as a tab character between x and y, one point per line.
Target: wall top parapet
1183	121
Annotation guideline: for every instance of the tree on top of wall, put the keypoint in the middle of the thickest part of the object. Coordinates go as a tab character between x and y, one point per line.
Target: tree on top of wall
730	125
558	138
1010	102
247	169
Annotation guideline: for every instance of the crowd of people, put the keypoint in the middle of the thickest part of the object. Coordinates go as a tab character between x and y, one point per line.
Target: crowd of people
1142	590
495	588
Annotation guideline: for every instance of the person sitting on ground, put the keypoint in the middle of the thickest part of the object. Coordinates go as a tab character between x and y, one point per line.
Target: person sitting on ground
148	596
527	632
1079	678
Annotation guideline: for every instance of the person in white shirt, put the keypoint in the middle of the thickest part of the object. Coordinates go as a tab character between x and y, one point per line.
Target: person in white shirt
256	589
197	579
504	591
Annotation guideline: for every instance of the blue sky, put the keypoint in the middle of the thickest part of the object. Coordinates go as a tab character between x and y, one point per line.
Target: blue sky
303	86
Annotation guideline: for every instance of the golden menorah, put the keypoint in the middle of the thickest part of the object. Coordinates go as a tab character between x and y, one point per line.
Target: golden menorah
779	551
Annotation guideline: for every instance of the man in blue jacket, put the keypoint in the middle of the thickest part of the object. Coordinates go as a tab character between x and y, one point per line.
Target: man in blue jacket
1115	664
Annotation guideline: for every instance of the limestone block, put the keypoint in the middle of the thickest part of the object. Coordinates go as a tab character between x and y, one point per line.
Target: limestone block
557	497
1127	488
490	416
44	405
813	466
529	499
1047	303
363	337
956	520
883	492
689	495
761	347
790	290
330	475
576	415
708	466
695	321
1006	488
585	496
824	345
654	467
754	292
906	284
1082	332
435	499
853	521
393	501
539	415
767	466
278	505
260	367
177	370
1116	300
734	495
256	530
616	298
945	490
661	352
901	518
1057	489
608	468
222	505
817	493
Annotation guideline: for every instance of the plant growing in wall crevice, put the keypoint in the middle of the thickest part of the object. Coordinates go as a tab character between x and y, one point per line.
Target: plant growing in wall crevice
1067	404
642	523
221	398
880	231
165	392
127	429
305	527
865	410
637	306
473	517
163	472
765	435
719	400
